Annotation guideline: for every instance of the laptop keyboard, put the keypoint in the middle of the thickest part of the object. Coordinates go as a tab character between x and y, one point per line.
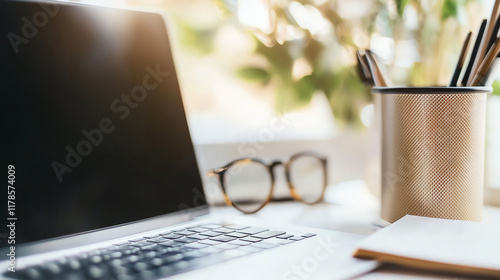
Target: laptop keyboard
162	255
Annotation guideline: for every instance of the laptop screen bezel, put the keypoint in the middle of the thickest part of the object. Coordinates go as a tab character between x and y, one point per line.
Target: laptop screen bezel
113	232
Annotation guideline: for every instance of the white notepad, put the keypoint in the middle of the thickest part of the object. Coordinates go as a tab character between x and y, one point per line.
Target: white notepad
436	244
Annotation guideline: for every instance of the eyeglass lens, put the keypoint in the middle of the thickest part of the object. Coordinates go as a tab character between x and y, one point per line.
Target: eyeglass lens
307	176
248	184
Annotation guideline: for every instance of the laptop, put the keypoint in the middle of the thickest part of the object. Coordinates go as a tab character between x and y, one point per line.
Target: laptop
103	181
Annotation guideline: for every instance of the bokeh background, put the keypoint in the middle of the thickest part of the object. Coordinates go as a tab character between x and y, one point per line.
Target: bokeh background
243	64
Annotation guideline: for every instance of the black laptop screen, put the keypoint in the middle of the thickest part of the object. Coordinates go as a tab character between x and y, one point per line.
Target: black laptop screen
92	122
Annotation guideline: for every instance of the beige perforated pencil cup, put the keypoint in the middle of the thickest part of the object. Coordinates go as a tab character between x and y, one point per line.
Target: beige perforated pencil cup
433	142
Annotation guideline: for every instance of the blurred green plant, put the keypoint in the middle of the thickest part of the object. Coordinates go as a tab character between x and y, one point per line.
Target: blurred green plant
320	37
496	88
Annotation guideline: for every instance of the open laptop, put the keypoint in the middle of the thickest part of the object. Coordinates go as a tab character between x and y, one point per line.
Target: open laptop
103	181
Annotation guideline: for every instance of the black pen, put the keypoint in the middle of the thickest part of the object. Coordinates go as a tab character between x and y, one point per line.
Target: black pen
461	60
480	34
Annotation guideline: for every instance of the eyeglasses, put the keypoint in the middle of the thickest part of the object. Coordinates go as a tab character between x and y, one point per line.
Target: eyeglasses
248	183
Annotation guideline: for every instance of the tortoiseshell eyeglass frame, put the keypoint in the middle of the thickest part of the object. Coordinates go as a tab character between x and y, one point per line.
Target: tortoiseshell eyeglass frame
221	172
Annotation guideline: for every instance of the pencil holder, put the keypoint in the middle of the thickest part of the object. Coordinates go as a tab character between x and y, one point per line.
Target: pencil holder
433	141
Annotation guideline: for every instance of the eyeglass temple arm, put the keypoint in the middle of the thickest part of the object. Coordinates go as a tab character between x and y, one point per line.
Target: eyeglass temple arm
216	171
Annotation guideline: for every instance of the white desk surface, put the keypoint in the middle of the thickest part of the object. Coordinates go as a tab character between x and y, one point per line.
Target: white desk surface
349	207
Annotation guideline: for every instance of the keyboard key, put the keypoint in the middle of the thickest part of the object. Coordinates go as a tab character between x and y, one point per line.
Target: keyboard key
132	259
166	271
239	243
251	239
199	236
61	261
194	254
168	251
133	250
156	262
53	268
210	250
253	230
275	240
94	253
73	263
95	259
173	236
137	239
125	247
198	229
169	243
82	256
173	258
197	245
103	252
237	234
223	230
151	236
226	246
285	241
285	236
183	249
209	242
140	266
123	273
141	244
211	233
210	226
118	262
116	255
236	227
157	240
30	273
149	255
268	234
186	240
307	235
97	272
264	245
296	238
184	232
223	238
153	246
176	244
